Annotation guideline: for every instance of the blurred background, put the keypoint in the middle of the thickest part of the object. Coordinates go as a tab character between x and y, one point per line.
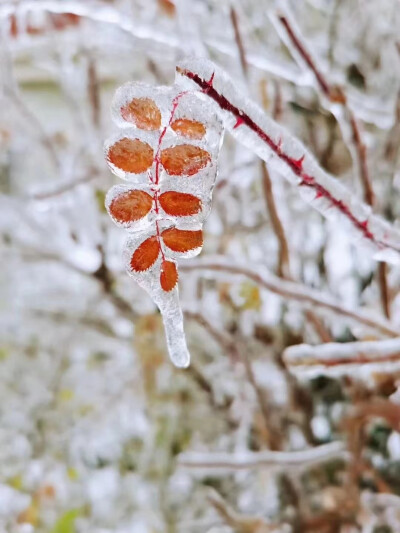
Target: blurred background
99	433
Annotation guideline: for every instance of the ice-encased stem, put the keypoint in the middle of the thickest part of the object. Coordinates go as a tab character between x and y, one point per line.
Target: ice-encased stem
264	459
337	353
271	142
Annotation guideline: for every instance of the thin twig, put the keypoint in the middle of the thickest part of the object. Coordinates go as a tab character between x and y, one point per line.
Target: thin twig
337	95
283	261
239	40
93	92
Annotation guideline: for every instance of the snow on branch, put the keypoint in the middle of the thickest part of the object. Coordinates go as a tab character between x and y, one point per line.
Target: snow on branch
274	144
292	291
341	358
267	459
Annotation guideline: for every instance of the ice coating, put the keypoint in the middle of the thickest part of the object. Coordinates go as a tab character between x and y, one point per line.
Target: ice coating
271	142
167	150
360	359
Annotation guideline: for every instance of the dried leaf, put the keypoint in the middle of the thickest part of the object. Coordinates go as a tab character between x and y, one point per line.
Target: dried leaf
179	204
184	160
146	254
131	155
180	240
142	112
130	206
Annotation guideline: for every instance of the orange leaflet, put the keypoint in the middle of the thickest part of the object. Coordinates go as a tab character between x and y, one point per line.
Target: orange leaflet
179	204
184	160
130	206
179	240
192	129
168	276
131	155
146	254
168	7
143	112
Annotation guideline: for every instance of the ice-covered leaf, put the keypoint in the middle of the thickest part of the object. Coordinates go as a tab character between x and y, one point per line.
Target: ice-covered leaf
184	159
192	129
131	155
146	254
168	276
180	240
130	206
179	204
142	112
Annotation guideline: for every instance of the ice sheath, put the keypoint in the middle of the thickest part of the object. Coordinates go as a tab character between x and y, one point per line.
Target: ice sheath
248	123
166	149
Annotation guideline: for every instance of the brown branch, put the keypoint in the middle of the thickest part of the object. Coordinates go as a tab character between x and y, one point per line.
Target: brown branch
239	41
93	92
361	149
283	261
301	48
337	95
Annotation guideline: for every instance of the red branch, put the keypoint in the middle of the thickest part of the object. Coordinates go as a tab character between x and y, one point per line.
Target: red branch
295	165
156	180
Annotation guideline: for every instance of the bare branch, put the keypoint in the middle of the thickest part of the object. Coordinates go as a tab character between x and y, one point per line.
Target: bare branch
292	291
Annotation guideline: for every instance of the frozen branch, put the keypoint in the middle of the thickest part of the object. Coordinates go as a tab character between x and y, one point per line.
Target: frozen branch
336	96
340	358
266	459
255	130
292	291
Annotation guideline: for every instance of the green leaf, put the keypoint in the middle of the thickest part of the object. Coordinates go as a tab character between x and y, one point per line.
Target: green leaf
66	522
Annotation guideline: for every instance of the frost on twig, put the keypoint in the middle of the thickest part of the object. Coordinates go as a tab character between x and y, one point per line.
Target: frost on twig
274	144
344	358
292	291
266	459
166	149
